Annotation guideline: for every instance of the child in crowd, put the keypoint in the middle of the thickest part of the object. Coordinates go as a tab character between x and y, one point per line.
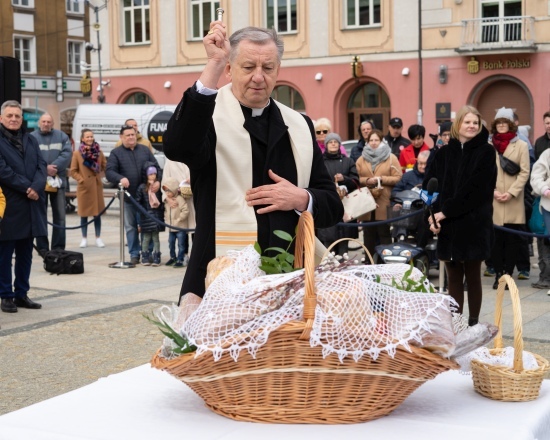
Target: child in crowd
150	199
176	213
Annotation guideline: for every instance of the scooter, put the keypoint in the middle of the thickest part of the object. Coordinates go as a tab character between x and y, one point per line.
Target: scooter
404	231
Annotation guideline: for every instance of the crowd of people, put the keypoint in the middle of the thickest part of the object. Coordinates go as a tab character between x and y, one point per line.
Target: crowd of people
484	179
34	170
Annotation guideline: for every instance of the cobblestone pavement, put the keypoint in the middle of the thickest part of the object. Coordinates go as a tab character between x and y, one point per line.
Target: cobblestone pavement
91	325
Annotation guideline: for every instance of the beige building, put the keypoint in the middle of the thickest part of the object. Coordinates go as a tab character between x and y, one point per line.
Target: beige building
489	53
48	38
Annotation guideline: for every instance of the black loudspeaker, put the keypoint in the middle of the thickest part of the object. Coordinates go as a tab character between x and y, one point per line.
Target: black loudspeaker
10	79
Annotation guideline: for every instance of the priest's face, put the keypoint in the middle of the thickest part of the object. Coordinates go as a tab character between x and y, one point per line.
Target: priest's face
253	73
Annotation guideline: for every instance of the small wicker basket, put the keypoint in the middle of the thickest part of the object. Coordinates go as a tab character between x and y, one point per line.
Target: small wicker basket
504	383
290	382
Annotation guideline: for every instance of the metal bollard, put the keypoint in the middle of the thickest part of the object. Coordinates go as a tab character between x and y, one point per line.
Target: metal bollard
121	264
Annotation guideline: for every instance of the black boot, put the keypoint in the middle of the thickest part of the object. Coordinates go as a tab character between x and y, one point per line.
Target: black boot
472	321
497	278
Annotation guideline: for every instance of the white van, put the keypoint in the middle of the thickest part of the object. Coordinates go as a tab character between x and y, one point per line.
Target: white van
105	120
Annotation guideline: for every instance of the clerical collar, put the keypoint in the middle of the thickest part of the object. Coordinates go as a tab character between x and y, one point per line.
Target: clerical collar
257	111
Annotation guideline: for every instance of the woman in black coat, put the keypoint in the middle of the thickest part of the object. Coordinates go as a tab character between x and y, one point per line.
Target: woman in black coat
466	175
342	170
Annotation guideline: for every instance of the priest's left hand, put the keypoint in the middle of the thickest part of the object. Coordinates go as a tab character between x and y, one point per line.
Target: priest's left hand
280	196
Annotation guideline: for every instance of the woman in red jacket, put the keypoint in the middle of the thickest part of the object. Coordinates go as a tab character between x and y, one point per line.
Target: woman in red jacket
409	154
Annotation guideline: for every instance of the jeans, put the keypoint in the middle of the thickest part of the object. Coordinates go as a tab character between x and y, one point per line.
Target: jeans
130	226
84	226
57	201
147	238
181	236
22	270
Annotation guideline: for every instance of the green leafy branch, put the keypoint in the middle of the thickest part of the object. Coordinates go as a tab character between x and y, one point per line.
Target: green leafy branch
283	261
409	284
182	344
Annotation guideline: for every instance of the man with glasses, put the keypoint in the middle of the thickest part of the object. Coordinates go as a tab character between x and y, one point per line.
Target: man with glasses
125	166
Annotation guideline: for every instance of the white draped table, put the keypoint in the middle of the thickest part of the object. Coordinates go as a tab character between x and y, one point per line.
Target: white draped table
147	404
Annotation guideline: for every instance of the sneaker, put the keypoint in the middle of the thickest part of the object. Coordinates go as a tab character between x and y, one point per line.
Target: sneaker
170	262
178	264
523	275
134	261
548	293
540	285
84	243
185	260
489	272
99	243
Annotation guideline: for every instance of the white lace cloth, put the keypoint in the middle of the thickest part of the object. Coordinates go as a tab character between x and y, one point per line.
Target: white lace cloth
355	316
505	359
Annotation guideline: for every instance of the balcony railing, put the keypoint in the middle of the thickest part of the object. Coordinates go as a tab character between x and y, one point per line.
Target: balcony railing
498	33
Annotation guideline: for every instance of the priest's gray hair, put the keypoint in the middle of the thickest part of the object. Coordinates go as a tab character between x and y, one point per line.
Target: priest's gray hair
257	36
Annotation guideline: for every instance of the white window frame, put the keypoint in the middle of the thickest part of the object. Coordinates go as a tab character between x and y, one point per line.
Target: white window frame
197	6
31	50
143	7
275	7
74	67
75	6
19	4
501	25
356	24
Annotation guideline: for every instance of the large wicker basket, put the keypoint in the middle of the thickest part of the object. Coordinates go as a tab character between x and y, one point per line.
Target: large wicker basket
290	382
504	383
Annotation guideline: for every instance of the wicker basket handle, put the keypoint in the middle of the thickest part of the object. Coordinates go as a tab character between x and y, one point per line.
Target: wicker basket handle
367	253
304	256
518	324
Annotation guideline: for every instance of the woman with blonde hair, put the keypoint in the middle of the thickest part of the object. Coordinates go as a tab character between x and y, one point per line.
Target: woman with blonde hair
466	176
323	127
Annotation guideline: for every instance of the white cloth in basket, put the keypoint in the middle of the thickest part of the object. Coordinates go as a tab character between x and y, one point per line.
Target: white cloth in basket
505	359
355	316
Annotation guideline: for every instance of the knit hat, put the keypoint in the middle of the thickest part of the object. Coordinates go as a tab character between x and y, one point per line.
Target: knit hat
445	126
333	137
506	113
151	170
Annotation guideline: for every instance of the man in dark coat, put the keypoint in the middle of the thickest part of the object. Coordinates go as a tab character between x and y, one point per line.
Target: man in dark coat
394	138
265	154
125	166
23	179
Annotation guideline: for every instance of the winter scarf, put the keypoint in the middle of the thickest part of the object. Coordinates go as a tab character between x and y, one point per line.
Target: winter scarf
14	138
90	154
153	199
376	156
501	141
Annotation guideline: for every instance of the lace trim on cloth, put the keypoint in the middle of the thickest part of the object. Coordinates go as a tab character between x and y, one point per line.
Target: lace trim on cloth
355	315
504	359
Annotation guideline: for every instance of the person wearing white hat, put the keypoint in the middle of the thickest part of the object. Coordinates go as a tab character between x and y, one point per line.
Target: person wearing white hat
508	201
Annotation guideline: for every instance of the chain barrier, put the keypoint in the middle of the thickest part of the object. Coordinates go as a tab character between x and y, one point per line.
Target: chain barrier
89	222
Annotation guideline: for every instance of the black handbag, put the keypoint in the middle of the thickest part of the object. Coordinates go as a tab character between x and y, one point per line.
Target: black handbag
509	167
60	262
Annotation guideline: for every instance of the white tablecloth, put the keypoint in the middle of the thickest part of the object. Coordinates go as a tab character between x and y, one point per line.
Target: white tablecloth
148	404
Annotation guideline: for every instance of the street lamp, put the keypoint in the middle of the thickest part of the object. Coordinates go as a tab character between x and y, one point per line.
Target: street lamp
90	47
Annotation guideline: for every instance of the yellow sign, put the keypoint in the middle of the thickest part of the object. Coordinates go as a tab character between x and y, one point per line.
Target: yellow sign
356	68
474	65
86	85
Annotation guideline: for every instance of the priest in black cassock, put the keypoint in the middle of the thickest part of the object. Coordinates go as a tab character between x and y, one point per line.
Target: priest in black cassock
254	163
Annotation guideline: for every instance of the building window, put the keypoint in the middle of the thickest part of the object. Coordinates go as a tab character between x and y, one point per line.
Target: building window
360	13
75	6
23	3
24	50
501	21
137	26
289	97
281	15
75	49
203	12
139	98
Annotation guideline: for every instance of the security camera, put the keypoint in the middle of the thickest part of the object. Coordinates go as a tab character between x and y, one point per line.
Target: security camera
89	46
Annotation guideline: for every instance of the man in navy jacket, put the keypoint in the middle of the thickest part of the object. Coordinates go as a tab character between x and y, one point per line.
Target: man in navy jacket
22	178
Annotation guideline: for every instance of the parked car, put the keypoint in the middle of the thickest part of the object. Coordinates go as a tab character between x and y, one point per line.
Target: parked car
348	145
